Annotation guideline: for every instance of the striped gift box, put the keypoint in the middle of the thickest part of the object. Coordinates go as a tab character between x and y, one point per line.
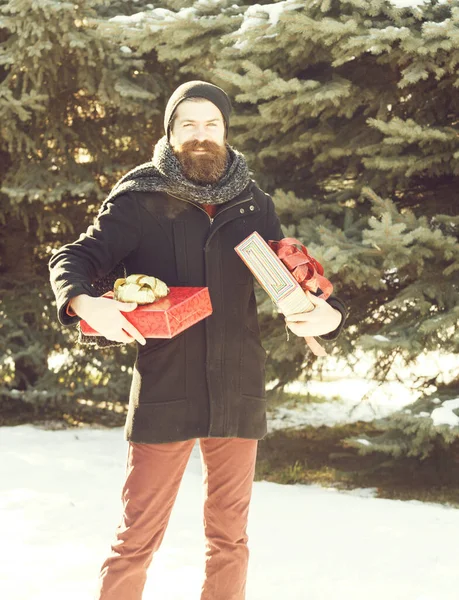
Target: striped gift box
273	275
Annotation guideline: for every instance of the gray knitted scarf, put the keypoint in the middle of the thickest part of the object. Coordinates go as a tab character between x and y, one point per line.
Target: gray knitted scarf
164	174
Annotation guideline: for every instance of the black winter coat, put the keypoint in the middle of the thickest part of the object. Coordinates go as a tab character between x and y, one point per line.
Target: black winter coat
208	381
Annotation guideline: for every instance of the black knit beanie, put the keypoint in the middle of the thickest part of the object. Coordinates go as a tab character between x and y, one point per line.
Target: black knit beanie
198	89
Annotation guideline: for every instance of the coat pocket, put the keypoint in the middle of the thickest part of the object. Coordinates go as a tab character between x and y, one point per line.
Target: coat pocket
160	371
253	366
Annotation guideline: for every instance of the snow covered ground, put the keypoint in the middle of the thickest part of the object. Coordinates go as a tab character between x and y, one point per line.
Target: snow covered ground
59	506
351	400
352	396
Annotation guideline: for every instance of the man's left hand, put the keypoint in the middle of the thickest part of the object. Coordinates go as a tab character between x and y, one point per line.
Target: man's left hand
323	319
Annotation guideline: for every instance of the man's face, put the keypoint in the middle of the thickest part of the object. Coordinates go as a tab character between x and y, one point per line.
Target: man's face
198	139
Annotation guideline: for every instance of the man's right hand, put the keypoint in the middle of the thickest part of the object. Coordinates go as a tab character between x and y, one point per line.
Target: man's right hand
104	315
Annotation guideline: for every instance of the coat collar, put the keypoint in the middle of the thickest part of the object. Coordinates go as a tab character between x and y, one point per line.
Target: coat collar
241	206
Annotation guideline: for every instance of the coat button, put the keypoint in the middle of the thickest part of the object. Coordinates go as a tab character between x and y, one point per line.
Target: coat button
252	207
242	211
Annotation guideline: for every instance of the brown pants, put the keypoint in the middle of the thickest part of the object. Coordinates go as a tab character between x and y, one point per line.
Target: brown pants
154	473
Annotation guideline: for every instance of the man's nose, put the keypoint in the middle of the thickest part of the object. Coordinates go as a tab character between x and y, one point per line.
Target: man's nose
200	134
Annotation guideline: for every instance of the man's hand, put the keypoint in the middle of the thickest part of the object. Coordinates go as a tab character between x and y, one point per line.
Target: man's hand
104	315
323	319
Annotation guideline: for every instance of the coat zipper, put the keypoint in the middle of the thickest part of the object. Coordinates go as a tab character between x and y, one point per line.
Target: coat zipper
211	219
194	204
225	410
223	210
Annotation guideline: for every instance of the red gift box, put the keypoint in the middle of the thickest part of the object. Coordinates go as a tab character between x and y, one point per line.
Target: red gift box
165	318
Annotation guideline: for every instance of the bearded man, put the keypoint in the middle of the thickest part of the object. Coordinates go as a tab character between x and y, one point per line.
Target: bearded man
179	218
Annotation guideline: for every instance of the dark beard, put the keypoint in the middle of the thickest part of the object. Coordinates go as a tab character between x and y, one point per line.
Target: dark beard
205	168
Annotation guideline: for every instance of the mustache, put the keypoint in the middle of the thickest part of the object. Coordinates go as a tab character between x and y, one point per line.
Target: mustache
206	145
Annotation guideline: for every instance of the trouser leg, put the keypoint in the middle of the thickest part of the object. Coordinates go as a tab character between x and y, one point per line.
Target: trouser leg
154	473
229	466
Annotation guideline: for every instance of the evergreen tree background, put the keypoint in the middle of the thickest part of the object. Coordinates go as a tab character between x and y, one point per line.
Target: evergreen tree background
76	109
347	112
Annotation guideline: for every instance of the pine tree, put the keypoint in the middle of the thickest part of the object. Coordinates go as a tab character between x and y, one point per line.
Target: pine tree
74	117
427	429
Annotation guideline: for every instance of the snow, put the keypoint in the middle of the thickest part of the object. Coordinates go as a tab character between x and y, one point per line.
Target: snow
128	19
381	338
164	14
363	442
154	17
207	3
257	15
252	16
444	414
351	400
275	10
60	504
413	3
407	3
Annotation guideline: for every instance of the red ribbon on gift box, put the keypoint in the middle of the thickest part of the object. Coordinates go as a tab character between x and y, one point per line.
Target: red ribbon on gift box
307	271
